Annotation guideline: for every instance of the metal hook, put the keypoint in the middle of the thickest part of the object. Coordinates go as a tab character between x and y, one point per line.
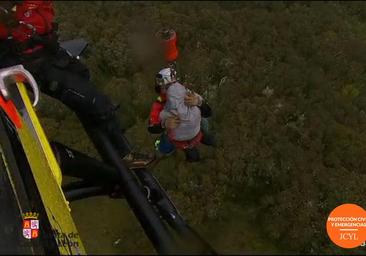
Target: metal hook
18	73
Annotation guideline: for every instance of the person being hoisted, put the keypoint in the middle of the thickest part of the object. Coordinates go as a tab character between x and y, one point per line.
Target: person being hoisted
177	111
182	118
28	36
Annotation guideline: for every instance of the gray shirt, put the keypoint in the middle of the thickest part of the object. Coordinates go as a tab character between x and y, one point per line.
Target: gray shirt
190	117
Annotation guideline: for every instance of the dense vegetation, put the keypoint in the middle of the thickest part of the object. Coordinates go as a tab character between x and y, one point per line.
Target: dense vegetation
287	83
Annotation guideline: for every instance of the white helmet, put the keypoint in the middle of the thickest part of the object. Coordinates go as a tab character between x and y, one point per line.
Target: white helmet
166	76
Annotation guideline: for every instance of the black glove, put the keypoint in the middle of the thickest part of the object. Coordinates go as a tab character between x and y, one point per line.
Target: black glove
50	40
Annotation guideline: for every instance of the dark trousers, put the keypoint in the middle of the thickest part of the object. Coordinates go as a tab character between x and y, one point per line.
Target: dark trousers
66	79
192	154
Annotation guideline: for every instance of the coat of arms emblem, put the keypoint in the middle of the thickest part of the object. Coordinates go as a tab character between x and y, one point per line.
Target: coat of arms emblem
30	225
